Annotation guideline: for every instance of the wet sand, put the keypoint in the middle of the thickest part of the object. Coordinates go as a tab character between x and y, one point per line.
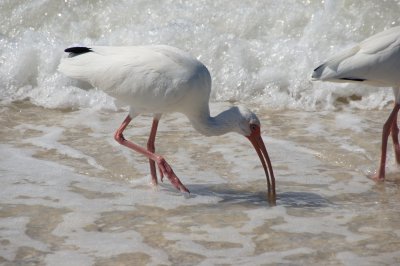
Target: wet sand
72	195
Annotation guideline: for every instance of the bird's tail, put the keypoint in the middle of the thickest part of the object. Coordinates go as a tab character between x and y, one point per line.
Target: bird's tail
317	73
77	65
329	71
74	51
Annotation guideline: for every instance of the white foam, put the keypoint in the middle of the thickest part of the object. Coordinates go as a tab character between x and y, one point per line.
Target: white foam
243	251
337	224
68	257
385	258
10	229
50	184
349	121
106	244
50	140
262	53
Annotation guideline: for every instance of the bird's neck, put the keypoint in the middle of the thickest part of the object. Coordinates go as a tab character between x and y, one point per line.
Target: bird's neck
218	125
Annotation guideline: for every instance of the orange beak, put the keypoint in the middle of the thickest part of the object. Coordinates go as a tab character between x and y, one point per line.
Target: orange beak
258	144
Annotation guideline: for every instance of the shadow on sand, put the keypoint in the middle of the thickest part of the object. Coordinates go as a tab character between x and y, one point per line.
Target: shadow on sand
246	195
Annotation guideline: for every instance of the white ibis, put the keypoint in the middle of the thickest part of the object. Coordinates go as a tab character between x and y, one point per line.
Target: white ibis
159	79
375	61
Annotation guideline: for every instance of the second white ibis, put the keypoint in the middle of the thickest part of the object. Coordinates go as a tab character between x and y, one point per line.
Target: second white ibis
375	61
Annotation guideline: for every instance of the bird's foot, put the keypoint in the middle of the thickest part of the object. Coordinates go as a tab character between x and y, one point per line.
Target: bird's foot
165	169
177	183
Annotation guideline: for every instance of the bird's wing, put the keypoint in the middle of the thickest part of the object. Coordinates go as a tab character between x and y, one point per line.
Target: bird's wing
381	41
375	61
110	67
147	77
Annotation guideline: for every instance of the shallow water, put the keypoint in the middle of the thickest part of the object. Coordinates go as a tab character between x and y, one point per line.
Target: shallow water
71	194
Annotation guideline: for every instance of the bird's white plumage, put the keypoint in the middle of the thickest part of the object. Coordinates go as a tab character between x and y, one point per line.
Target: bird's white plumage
374	61
148	78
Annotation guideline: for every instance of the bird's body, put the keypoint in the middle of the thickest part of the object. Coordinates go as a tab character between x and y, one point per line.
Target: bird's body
150	79
375	61
160	79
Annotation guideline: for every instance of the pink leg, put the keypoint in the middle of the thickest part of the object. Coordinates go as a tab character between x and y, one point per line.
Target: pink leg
395	138
151	148
162	164
385	134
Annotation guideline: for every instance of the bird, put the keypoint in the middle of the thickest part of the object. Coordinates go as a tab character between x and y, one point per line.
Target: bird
158	79
375	62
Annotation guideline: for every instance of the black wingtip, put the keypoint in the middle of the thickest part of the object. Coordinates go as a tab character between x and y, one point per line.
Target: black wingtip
317	72
74	51
354	79
319	67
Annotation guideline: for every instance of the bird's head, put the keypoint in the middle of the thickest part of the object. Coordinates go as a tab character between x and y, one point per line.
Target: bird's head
250	127
246	121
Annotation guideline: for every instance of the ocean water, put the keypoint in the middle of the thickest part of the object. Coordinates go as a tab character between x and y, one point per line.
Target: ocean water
70	195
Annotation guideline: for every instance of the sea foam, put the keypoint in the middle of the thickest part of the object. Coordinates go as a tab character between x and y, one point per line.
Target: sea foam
258	52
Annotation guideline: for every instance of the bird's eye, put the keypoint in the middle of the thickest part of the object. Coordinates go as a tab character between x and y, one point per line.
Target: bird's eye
253	127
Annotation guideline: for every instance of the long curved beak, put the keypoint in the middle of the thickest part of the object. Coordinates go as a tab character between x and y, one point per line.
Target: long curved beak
258	144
